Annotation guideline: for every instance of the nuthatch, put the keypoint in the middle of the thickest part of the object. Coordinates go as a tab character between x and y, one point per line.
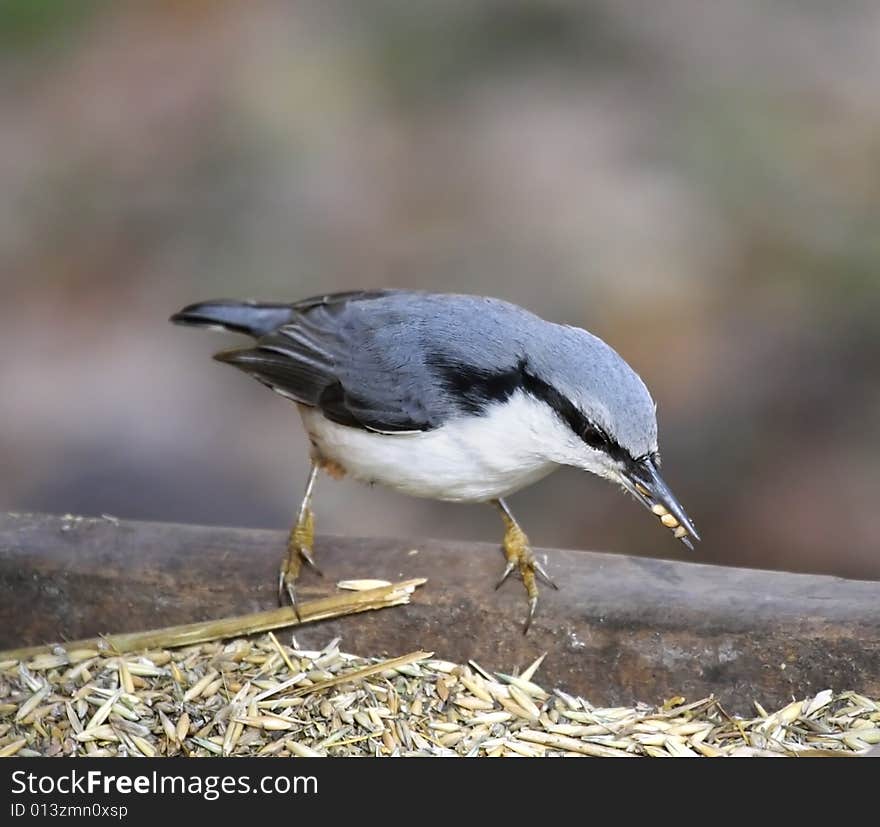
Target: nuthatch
451	397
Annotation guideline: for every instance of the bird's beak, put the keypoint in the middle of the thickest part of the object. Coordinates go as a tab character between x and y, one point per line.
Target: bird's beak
643	481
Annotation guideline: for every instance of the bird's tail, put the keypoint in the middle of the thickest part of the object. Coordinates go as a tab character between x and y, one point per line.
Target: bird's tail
252	318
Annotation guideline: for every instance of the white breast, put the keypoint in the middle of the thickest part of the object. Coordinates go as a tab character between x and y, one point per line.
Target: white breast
472	458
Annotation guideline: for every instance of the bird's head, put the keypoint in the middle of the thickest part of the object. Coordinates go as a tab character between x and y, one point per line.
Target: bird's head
609	422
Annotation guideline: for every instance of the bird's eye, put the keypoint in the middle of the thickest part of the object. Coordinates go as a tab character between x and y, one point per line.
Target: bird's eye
594	437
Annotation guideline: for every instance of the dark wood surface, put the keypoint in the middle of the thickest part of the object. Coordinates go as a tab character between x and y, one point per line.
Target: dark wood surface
620	629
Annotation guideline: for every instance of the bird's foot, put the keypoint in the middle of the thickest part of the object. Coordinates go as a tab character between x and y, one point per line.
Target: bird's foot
519	556
299	550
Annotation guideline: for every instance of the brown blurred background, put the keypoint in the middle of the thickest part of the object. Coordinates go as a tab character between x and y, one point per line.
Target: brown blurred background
697	183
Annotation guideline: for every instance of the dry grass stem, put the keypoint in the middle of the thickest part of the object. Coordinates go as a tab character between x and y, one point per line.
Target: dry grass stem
337	605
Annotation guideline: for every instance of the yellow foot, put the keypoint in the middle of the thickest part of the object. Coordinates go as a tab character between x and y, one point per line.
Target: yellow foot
299	550
519	556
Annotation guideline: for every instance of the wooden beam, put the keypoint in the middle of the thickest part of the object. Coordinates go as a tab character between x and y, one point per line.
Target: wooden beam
620	629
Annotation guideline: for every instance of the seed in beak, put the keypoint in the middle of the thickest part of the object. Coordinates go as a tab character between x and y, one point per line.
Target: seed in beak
680	532
659	510
669	521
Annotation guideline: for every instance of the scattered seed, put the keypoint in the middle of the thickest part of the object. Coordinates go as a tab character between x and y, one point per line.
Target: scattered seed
361	585
102	712
33	702
183	725
524	701
529	672
491	718
237	698
11	749
200	685
302	750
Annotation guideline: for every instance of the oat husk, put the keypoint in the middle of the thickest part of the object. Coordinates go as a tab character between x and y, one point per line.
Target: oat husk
267	696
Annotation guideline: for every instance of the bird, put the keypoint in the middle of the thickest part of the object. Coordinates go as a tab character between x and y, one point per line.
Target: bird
453	397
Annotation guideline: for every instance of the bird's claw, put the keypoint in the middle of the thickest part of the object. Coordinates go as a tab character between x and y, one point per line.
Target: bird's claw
511	565
544	576
519	556
310	562
299	550
533	604
291	595
287	587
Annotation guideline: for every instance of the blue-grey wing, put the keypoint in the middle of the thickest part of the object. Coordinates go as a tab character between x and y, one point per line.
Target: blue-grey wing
391	361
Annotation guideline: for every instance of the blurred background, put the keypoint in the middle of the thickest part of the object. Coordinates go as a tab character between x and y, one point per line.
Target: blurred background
697	183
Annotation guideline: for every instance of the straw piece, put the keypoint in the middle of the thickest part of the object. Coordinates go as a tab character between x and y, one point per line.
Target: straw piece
383	666
188	634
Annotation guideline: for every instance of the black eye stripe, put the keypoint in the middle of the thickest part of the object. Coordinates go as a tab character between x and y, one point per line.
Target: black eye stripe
588	431
474	389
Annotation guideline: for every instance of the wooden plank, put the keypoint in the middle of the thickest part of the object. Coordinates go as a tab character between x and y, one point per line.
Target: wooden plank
620	629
